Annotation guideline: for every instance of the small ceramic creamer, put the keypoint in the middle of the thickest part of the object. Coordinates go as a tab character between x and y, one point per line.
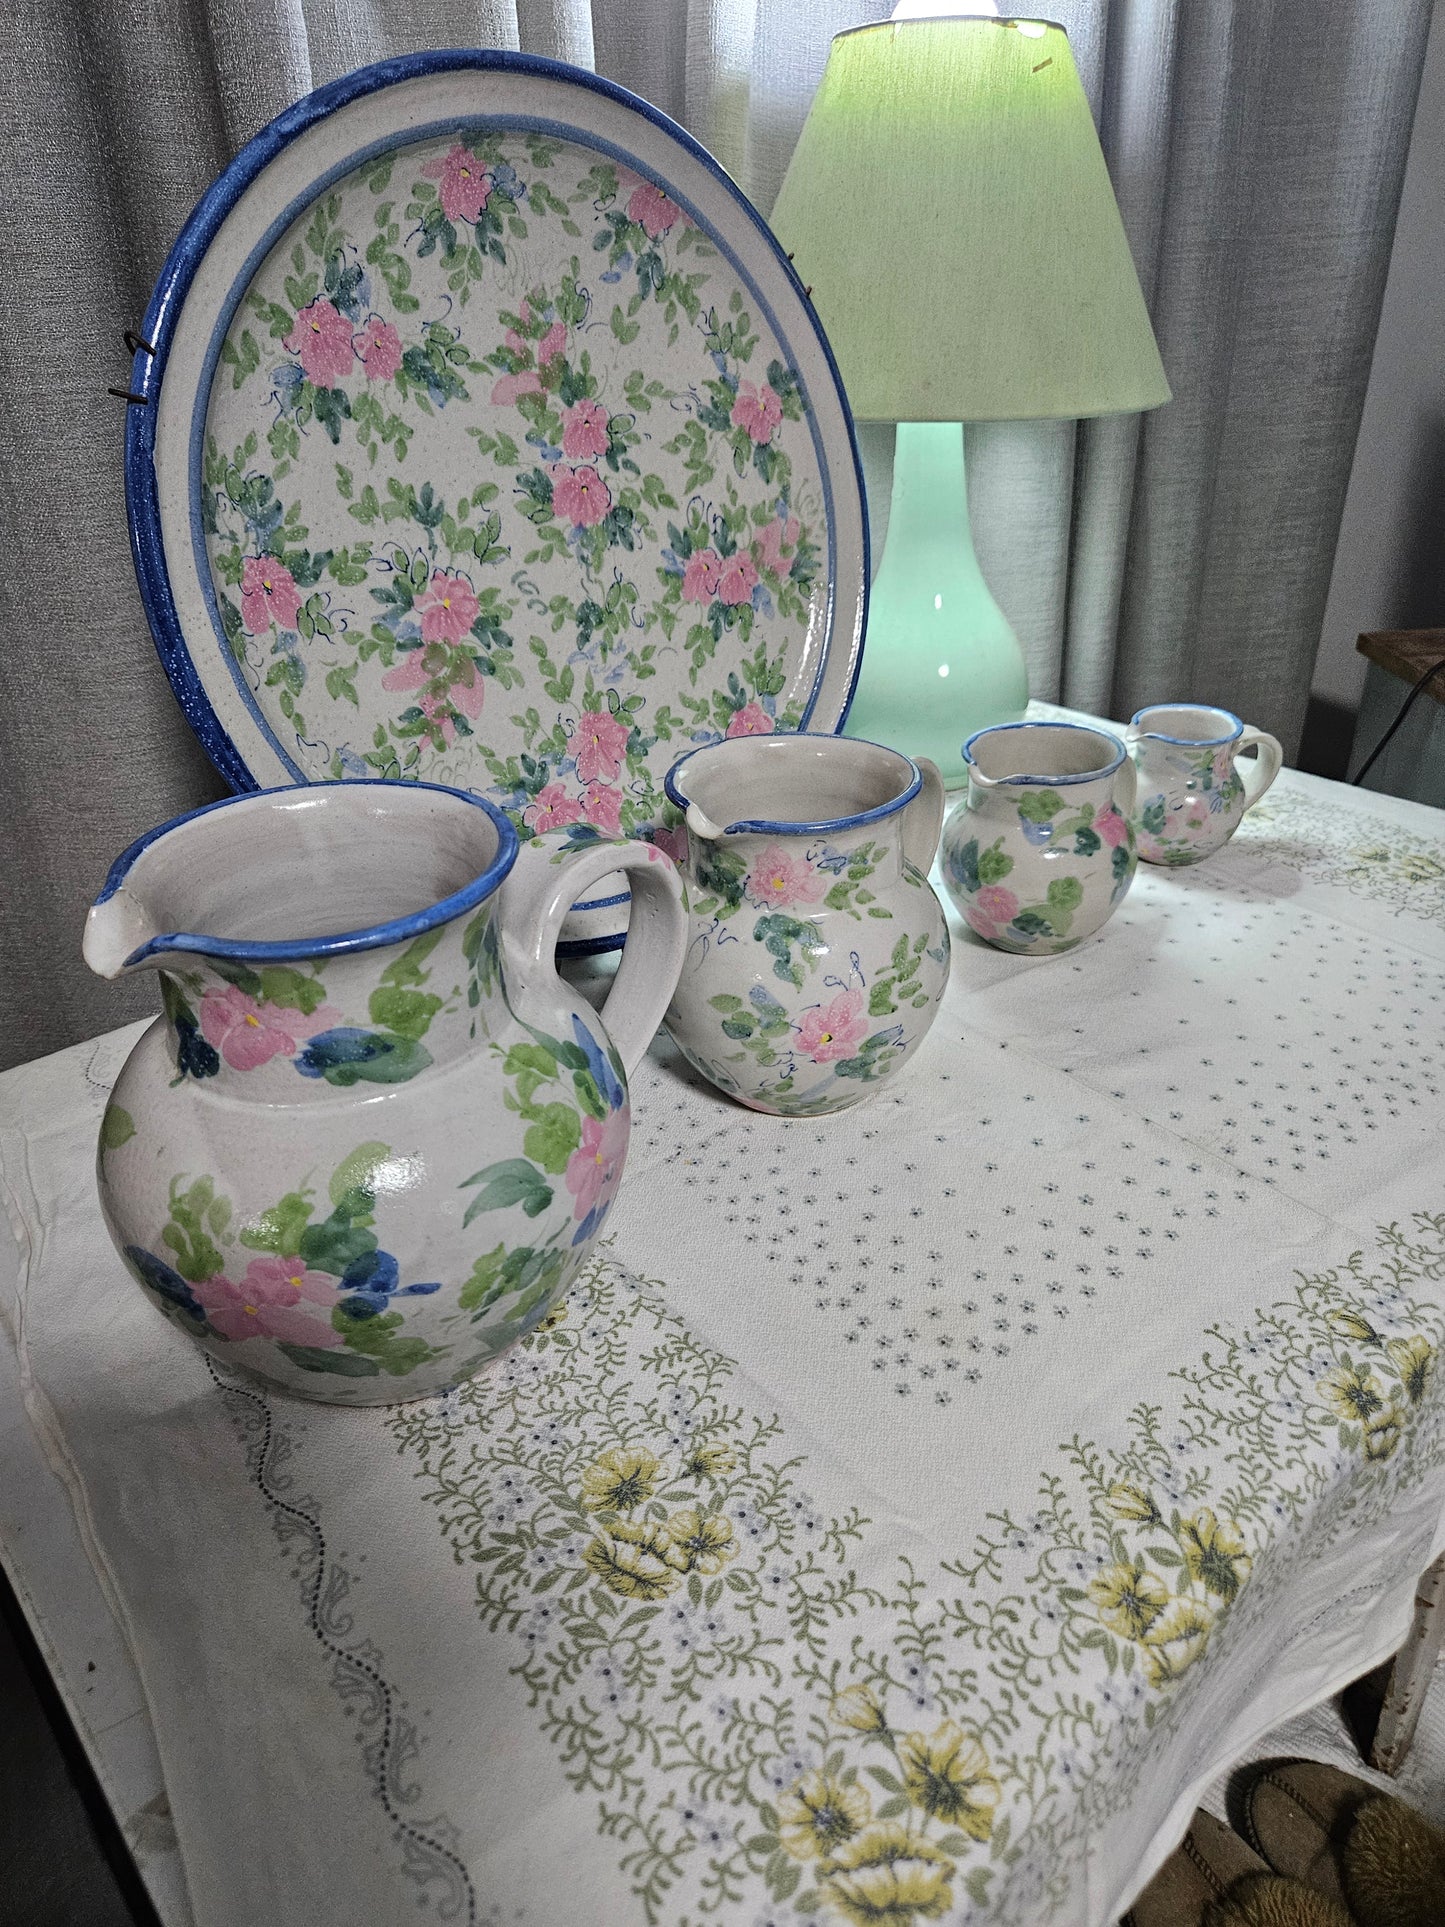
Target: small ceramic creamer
818	952
374	1135
1193	791
1041	851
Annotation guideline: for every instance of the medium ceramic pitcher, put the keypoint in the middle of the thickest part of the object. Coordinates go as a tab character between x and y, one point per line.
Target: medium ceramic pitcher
1041	852
1193	791
818	952
374	1135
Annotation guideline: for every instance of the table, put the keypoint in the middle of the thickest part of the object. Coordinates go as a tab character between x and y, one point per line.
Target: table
1073	1409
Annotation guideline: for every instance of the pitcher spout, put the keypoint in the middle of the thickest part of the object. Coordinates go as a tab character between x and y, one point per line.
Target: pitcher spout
120	934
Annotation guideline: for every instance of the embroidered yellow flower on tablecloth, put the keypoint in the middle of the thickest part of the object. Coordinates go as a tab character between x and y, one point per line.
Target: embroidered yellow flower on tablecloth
947	1775
707	1461
621	1479
1129	1501
699	1541
1355	1393
632	1560
1129	1601
818	1813
886	1876
860	1708
1383	1430
1175	1641
1215	1553
1351	1324
1414	1360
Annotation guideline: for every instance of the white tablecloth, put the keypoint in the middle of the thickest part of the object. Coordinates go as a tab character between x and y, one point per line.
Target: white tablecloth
1072	1412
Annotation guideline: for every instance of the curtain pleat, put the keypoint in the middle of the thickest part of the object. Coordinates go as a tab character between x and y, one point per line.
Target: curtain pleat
1257	149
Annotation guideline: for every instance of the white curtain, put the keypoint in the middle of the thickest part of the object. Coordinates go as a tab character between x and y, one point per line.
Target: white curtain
1256	146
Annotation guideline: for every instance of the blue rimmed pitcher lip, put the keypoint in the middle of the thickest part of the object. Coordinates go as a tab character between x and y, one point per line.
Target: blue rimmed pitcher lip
1188	742
767	826
340	943
1047	722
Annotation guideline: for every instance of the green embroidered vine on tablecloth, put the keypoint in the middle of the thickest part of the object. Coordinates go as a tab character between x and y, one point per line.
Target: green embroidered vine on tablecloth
1367	855
775	1707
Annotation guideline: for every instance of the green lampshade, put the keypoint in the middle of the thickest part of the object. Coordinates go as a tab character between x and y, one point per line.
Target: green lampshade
949	204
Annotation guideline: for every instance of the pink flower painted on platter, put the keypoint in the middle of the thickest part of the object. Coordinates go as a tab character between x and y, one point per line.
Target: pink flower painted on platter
249	1034
322	340
599	743
447	607
552	344
584	431
672	842
268	594
751	720
1111	826
996	903
378	349
602	807
410	673
464	185
552	809
510	387
835	1030
757	409
777	878
466	690
652	210
775	545
579	496
701	575
595	1167
270	1301
737	581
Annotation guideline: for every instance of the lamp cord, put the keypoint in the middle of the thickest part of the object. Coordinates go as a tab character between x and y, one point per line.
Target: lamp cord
1405	707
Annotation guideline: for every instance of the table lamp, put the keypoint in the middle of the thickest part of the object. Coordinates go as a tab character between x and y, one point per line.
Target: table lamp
949	205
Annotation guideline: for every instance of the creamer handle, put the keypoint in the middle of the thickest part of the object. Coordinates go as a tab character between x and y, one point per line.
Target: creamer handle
1259	771
923	819
546	880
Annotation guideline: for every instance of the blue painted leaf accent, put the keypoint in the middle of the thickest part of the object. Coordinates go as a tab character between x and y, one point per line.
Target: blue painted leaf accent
603	1074
348	1055
166	1283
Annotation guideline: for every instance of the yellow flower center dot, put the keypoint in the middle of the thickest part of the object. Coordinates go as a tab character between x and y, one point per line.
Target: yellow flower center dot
826	1038
250	1310
254	1022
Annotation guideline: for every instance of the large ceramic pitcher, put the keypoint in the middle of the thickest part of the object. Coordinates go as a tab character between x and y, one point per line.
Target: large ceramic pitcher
1041	852
374	1135
818	950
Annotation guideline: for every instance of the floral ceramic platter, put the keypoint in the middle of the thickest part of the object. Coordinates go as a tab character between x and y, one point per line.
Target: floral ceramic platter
491	441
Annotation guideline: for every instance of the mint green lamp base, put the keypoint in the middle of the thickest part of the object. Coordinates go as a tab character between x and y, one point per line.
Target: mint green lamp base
939	658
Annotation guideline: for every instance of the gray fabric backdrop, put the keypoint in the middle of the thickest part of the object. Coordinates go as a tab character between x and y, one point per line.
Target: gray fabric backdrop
1257	148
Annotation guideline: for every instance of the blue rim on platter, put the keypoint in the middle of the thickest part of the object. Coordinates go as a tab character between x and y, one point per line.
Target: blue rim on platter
754	558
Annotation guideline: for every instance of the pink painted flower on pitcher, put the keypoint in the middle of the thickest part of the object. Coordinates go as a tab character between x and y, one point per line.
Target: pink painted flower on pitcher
996	903
464	184
447	607
595	1167
779	879
757	409
378	349
584	431
599	743
580	496
652	210
322	340
701	576
510	387
552	809
672	841
775	545
1111	826
976	920
270	1301
737	581
249	1034
602	807
835	1030
552	344
268	594
751	720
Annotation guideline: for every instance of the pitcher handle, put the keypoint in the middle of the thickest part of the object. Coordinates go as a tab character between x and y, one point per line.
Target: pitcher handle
544	884
1257	774
923	819
1126	777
